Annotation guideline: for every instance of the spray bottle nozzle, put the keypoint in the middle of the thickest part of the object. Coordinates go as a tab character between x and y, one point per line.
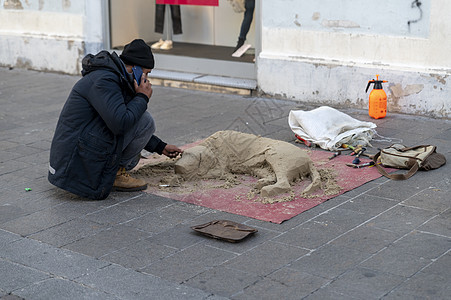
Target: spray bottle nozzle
377	84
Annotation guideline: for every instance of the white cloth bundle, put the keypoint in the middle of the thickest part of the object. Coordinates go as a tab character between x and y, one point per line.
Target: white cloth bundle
329	128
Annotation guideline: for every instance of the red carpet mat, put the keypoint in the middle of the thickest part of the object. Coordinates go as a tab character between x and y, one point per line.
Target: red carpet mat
238	199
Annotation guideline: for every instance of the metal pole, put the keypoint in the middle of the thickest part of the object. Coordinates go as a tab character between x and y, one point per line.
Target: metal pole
168	23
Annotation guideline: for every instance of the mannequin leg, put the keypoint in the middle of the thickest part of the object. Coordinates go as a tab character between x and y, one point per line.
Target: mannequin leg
176	19
159	17
246	24
247	20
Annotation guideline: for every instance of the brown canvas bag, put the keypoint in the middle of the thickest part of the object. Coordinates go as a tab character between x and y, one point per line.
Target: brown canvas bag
423	157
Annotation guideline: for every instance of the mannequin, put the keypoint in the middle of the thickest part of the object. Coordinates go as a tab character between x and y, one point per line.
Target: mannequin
159	25
246	24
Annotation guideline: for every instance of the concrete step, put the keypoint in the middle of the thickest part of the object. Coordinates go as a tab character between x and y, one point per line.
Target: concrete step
203	82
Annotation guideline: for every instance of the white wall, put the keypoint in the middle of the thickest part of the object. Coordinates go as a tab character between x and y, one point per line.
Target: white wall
130	20
326	51
50	35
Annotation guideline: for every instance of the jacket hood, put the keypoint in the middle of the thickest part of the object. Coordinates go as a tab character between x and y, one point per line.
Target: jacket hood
108	62
102	61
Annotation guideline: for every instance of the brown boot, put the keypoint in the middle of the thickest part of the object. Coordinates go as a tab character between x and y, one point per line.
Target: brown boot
125	183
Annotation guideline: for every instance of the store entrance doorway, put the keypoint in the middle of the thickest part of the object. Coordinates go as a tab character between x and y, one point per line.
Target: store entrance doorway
208	39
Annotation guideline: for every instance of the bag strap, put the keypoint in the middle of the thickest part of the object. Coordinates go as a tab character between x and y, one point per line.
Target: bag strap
416	147
404	176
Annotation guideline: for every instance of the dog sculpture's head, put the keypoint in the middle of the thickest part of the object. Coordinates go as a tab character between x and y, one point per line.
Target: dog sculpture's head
197	161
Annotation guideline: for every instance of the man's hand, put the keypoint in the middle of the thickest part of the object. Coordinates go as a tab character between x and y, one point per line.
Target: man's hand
145	87
172	151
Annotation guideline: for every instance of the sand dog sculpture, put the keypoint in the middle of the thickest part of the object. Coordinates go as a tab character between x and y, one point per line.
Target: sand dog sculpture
275	163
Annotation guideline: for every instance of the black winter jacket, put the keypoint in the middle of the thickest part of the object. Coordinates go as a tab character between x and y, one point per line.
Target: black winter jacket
87	145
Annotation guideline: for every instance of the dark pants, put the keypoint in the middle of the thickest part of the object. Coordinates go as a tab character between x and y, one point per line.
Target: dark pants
135	140
248	16
176	18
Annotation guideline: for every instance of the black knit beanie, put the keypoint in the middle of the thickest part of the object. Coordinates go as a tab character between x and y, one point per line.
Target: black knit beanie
138	53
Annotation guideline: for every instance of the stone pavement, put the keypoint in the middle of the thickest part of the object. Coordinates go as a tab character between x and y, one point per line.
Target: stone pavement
385	239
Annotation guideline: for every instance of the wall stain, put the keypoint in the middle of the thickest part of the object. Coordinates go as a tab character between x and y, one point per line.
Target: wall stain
361	102
398	92
23	62
411	89
439	78
12	4
296	22
340	23
66	4
316	16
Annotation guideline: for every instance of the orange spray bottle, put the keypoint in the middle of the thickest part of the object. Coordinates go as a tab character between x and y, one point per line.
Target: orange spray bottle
378	99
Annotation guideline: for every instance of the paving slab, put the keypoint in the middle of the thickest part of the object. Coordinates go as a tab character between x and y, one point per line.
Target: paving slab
330	261
16	276
439	224
423	244
263	261
56	261
422	286
107	241
290	283
430	198
368	205
389	261
9	297
366	239
188	263
311	235
129	284
224	281
53	288
160	220
139	255
402	219
363	283
69	232
47	218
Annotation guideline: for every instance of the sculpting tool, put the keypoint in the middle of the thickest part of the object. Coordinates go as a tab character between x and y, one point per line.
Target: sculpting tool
307	143
369	164
335	155
356	159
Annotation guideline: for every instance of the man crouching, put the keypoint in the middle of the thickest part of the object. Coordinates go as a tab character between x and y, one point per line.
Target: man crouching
104	125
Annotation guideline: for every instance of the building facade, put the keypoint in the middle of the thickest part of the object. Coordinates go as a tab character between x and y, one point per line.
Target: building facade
321	52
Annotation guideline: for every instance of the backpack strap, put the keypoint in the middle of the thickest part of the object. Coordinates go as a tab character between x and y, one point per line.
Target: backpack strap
404	176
